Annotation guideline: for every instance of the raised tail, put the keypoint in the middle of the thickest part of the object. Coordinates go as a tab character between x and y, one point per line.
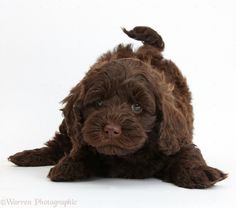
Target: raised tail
147	35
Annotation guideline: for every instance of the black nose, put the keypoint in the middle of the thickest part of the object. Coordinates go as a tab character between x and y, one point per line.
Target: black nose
113	130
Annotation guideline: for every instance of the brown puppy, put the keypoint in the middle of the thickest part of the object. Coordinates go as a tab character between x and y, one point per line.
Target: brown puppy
130	117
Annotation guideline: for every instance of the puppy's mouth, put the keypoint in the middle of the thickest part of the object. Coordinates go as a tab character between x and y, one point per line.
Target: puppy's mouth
119	146
113	150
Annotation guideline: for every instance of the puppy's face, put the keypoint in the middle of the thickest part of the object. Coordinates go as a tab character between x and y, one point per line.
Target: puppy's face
118	108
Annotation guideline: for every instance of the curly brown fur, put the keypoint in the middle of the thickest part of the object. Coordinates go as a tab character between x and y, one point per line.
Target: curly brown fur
130	117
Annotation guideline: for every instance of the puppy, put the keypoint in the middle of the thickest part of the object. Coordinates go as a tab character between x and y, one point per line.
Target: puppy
130	117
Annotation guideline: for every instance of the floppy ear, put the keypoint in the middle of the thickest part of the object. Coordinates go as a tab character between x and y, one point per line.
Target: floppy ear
172	124
73	117
173	130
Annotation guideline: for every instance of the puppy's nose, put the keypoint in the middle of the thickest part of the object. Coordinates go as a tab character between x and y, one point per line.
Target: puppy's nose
113	130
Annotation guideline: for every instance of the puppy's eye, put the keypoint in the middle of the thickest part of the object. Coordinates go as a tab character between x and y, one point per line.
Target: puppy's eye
136	108
98	103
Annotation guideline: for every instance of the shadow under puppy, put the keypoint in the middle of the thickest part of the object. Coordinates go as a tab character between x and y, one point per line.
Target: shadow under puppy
130	117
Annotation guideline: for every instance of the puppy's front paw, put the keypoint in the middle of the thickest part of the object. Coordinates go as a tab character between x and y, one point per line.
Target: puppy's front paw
61	173
201	177
67	170
36	157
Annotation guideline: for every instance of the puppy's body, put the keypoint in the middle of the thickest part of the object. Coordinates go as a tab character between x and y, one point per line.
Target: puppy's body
130	117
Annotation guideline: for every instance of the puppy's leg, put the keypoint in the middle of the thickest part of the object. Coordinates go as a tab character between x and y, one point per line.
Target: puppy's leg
69	168
188	169
49	155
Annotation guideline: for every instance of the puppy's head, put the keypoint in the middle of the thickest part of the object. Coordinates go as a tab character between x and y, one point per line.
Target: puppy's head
118	108
116	105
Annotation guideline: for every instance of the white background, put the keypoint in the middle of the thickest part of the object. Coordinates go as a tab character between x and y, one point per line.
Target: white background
47	46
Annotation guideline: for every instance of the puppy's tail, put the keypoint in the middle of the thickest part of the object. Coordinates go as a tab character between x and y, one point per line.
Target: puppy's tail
147	35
